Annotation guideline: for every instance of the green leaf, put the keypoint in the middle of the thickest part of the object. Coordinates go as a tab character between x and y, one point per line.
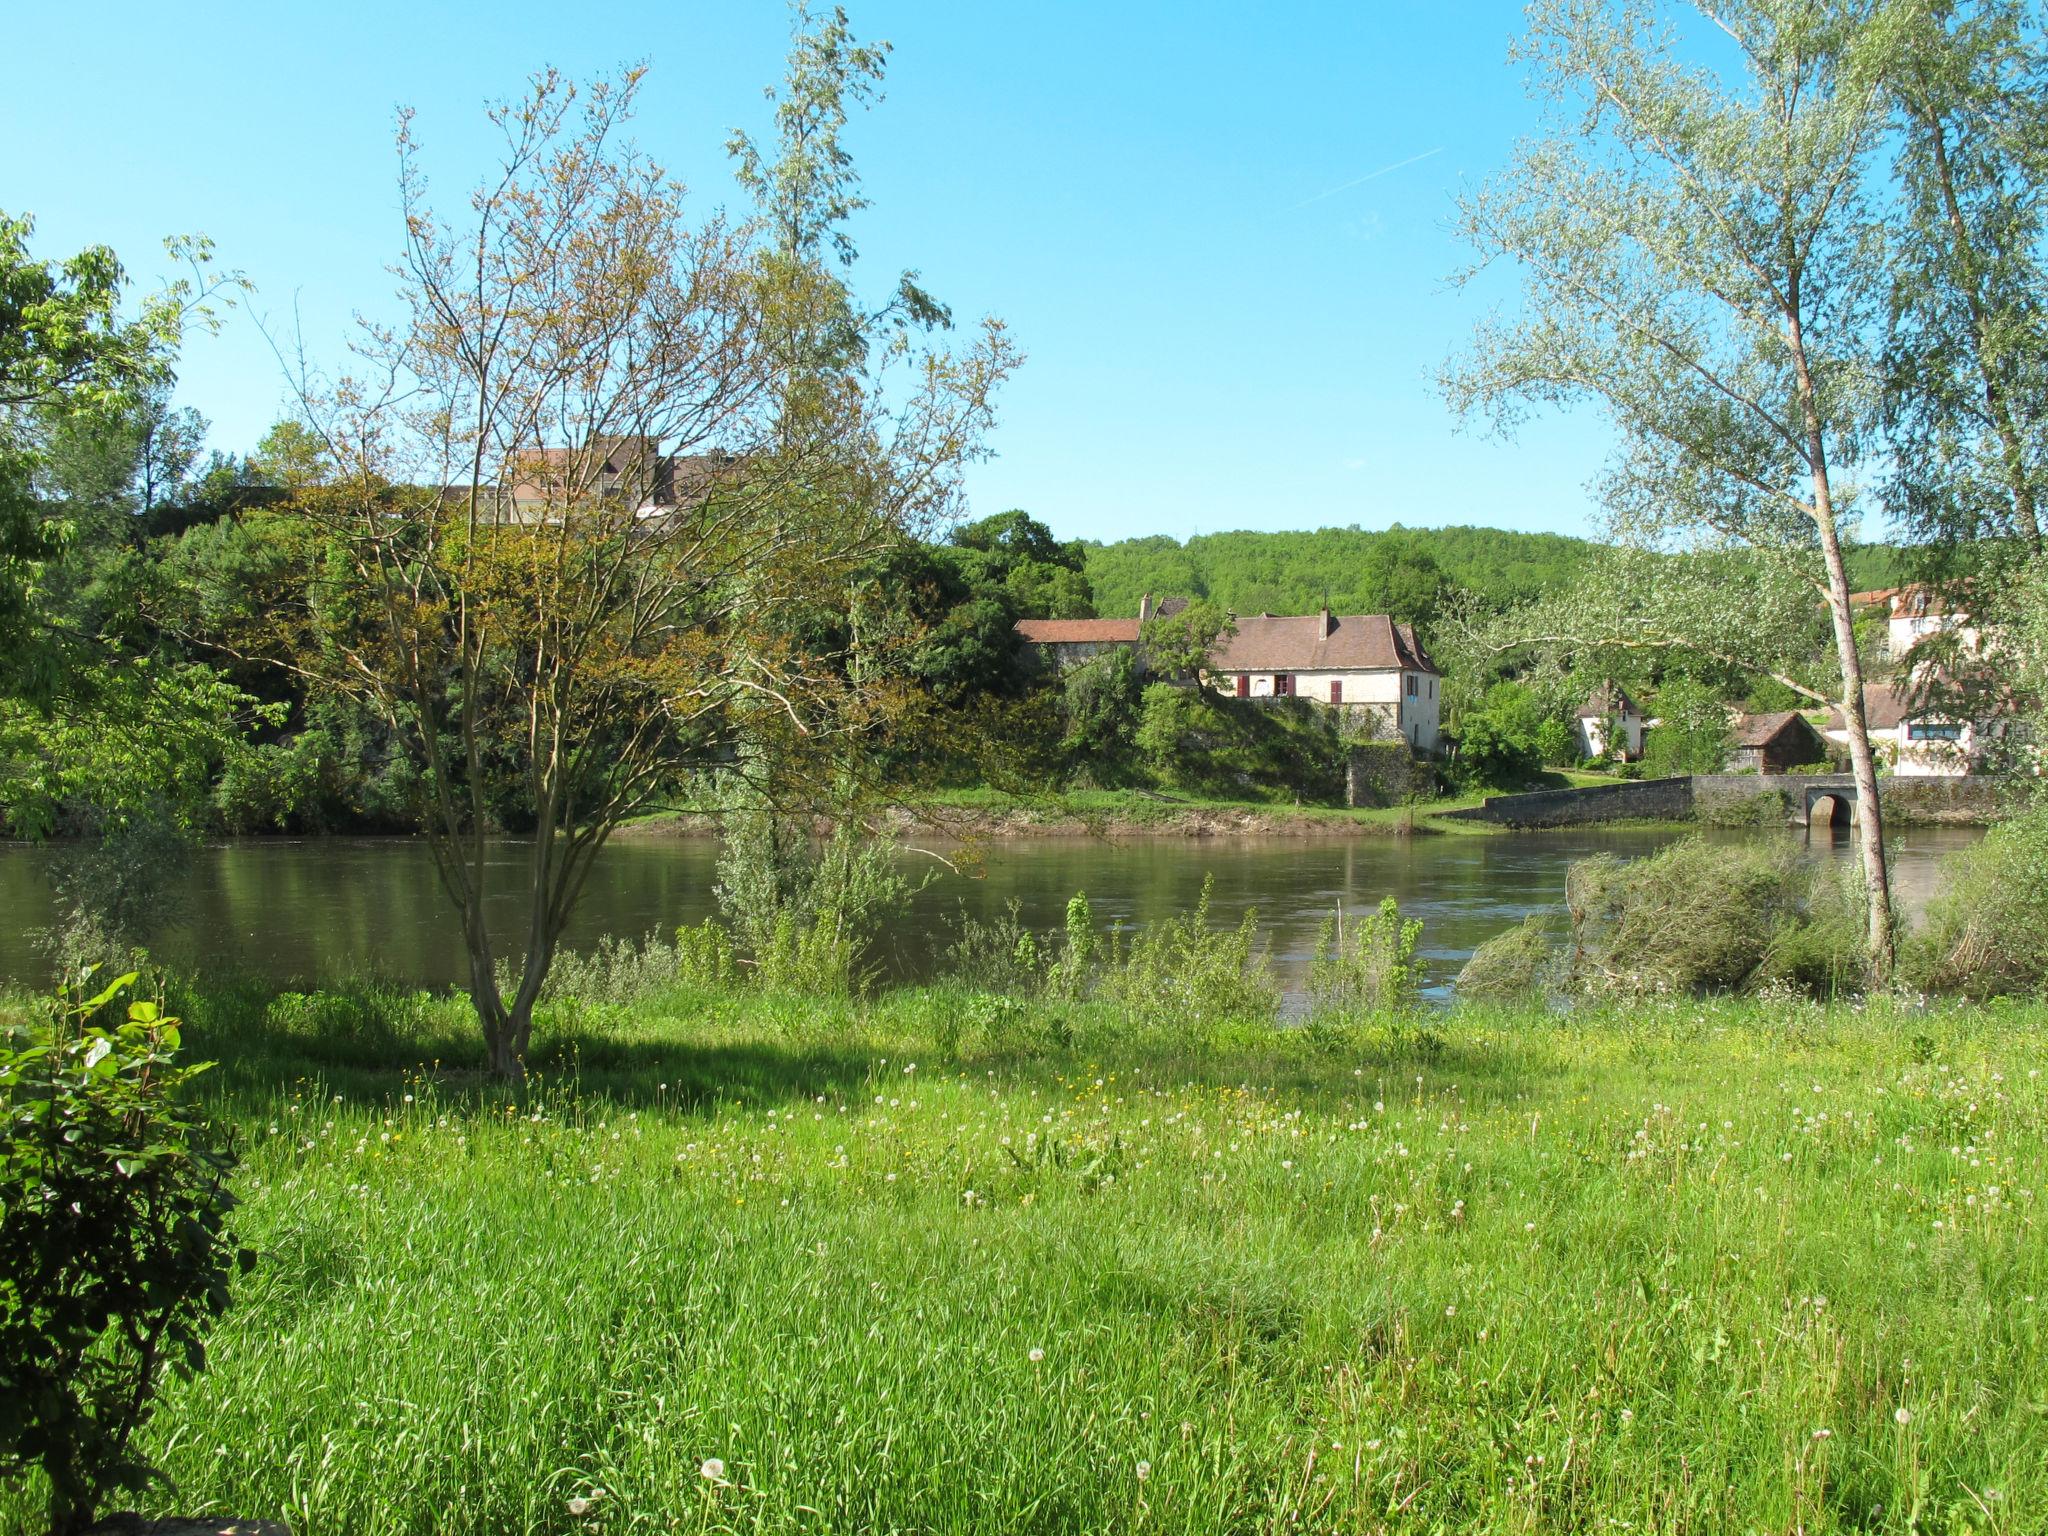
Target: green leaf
98	1052
112	987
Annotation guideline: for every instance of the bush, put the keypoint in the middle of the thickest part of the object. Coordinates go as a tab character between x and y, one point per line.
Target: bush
1693	917
1498	739
1182	983
1517	966
621	971
1987	930
1000	955
1696	917
1196	740
1371	972
114	1248
809	914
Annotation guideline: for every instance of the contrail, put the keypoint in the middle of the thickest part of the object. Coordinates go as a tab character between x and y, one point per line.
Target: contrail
1385	170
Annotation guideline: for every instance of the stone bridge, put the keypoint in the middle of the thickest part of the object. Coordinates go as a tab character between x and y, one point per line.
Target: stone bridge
1749	799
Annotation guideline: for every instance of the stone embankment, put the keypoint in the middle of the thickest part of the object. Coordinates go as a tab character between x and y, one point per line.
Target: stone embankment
1748	799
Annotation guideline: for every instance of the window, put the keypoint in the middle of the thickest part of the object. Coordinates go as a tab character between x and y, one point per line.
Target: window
1412	680
1244	685
1925	730
1336	690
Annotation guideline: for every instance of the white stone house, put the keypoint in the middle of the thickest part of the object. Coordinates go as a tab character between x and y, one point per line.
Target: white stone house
1610	722
1918	733
1363	663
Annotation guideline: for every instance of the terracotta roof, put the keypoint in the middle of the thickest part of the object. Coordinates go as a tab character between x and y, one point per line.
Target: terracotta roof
1934	696
1353	643
1078	631
1762	730
1607	699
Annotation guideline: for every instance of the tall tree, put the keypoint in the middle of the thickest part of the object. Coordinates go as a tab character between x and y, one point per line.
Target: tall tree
570	535
1696	250
1968	375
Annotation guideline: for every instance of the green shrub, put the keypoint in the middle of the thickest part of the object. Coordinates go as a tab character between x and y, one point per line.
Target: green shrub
1369	971
621	971
1695	917
1986	933
1199	741
1521	965
998	955
114	1248
808	913
1177	981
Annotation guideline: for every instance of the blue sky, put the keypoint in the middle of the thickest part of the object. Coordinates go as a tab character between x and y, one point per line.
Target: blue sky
1228	325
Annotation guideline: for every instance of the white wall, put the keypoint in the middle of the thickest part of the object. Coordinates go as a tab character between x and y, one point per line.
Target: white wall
1382	690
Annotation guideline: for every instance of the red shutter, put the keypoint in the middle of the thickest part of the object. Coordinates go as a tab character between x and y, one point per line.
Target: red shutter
1244	685
1336	690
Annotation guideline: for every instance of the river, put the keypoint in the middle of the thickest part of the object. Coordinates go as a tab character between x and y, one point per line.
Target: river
306	911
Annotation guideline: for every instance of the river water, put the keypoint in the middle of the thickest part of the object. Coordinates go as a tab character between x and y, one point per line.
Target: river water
306	911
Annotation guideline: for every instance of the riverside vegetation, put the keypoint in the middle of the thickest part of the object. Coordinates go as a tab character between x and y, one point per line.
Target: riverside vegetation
1078	1239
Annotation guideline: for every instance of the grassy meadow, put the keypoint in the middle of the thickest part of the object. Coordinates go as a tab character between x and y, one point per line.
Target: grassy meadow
951	1261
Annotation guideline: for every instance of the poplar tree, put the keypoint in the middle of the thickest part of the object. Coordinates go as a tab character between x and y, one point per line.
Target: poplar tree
1698	254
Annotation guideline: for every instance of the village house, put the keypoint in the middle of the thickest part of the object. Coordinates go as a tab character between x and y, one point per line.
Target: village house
1363	663
1774	743
1609	722
1915	614
1933	717
1063	643
1924	729
624	472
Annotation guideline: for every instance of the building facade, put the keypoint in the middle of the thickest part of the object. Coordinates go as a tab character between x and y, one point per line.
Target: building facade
1365	664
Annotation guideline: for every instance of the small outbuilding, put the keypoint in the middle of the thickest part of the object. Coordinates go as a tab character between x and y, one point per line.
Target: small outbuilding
1773	743
1610	723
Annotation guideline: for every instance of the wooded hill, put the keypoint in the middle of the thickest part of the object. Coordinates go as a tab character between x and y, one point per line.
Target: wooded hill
1398	571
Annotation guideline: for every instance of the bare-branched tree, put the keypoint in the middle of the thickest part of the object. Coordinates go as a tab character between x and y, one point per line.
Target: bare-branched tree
579	541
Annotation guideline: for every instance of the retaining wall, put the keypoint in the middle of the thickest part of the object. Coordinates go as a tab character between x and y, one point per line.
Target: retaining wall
1747	799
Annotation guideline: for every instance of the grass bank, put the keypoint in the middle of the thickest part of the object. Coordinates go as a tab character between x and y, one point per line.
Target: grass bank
989	813
953	1261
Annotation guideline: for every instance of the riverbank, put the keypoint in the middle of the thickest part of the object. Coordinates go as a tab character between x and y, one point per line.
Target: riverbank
968	815
790	1264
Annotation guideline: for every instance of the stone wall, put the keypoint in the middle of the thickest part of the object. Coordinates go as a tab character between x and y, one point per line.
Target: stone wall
1644	800
1382	773
1746	799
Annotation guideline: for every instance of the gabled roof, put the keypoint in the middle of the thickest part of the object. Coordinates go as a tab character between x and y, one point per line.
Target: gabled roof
1315	642
1608	699
1762	730
1078	631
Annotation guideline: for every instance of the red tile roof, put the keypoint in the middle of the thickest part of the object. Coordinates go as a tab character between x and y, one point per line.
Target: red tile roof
1078	631
1298	643
1762	730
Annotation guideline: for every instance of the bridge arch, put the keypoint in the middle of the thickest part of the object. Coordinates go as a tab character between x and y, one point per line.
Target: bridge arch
1831	805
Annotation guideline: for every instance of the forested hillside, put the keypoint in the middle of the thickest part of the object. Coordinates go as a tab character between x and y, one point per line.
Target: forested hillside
1399	571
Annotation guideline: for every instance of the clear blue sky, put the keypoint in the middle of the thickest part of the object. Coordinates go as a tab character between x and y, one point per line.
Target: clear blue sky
1228	325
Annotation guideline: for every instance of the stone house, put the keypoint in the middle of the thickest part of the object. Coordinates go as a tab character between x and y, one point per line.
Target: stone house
1063	643
1773	743
1929	728
1362	663
1609	721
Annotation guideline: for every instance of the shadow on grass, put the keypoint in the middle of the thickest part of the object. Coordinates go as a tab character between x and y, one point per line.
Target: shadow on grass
686	1051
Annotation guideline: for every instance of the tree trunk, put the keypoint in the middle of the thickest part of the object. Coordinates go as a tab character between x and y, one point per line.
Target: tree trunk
1862	765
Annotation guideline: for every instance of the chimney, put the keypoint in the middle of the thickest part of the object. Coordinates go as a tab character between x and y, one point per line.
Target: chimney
1328	623
1145	610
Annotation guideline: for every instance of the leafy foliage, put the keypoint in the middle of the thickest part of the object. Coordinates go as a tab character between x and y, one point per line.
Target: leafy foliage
1368	972
114	1247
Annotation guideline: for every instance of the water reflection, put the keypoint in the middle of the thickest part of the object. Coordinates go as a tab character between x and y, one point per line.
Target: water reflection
320	909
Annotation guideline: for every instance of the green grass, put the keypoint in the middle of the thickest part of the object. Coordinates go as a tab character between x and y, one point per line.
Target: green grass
1699	1267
